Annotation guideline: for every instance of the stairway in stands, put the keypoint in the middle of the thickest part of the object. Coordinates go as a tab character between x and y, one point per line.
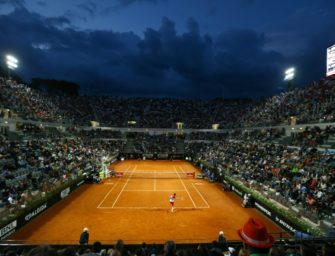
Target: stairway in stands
129	147
180	145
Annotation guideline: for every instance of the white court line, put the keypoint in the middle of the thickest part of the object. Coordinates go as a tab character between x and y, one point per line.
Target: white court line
143	207
123	187
147	190
184	187
200	195
109	192
181	168
107	195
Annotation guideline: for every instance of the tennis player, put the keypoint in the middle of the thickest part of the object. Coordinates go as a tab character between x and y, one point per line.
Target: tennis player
172	200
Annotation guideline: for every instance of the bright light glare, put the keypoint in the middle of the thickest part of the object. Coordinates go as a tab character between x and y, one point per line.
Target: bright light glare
289	74
289	70
289	77
11	65
12	58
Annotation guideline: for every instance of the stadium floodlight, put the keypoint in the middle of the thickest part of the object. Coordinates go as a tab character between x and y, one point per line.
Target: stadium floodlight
12	63
11	58
289	74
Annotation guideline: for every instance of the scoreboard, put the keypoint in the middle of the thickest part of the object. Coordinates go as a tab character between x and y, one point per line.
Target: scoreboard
331	60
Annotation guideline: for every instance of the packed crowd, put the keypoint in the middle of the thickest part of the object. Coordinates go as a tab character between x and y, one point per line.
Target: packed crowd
312	136
97	134
304	177
147	143
31	104
206	136
165	113
314	103
311	104
31	168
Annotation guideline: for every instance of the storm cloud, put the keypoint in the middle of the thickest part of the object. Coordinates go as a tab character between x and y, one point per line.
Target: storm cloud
160	62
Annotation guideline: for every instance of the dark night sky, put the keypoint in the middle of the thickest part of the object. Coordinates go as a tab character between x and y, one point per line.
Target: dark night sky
170	48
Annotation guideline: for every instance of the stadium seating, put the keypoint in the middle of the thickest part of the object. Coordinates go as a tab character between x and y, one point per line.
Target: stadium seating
50	142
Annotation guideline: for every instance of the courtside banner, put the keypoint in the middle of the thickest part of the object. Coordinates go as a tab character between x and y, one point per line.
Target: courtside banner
35	212
270	213
237	191
280	220
227	185
11	227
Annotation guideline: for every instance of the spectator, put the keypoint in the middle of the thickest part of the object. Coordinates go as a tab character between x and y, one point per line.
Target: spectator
328	249
256	238
97	248
119	247
222	241
42	250
308	249
215	249
170	248
84	237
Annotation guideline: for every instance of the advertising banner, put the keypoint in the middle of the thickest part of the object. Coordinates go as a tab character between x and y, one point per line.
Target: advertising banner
331	60
22	220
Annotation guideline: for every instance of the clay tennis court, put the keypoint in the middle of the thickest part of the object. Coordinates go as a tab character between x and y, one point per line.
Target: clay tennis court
136	208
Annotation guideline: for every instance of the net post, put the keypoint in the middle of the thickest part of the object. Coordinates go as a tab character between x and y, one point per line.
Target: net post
119	174
190	175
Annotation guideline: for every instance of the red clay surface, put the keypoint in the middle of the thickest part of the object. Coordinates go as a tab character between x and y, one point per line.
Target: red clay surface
136	208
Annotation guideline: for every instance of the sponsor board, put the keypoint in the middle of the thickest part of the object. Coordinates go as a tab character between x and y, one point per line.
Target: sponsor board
285	224
8	229
237	191
65	193
11	227
263	209
227	185
80	183
35	212
275	217
280	220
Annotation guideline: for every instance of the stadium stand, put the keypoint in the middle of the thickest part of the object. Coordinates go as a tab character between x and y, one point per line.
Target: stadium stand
45	141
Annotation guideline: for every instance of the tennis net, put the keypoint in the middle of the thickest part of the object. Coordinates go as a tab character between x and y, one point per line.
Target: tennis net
154	175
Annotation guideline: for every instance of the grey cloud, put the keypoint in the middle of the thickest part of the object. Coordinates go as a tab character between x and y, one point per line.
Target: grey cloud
163	62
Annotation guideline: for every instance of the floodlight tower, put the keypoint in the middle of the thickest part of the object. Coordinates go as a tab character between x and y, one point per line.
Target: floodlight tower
12	63
289	76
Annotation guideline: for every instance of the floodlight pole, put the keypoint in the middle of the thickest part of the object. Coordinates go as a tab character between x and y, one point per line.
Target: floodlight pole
289	85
